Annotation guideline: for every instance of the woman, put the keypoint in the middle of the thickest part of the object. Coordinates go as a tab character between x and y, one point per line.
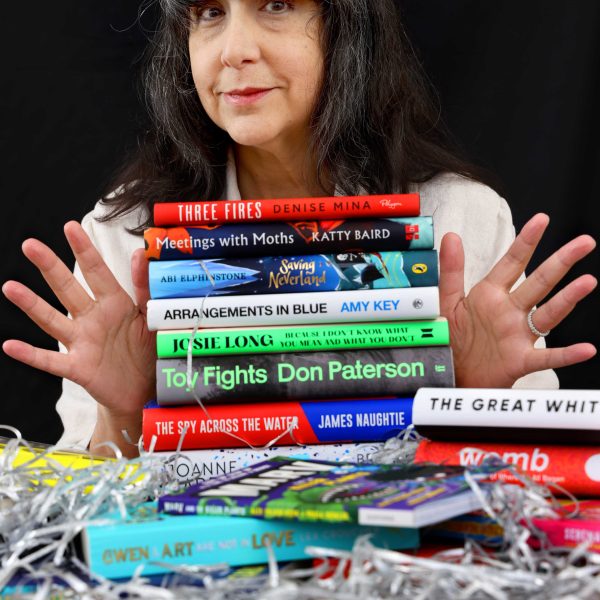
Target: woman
298	98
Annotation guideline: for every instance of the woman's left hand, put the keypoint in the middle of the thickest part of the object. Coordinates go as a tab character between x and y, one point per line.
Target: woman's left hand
490	338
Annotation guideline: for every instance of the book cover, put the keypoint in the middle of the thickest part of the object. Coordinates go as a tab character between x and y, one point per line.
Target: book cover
45	464
37	456
301	338
156	541
576	469
559	417
313	422
324	375
286	209
295	309
288	274
273	238
326	492
570	530
192	466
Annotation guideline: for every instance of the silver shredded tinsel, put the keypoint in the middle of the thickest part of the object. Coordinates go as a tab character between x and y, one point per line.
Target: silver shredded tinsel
43	509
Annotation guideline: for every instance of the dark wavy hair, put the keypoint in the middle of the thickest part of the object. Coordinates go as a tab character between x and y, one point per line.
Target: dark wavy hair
376	126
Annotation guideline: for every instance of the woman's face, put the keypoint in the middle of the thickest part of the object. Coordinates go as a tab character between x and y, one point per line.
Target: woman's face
257	67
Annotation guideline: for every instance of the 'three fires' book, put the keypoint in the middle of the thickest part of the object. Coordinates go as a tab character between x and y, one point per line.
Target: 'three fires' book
319	491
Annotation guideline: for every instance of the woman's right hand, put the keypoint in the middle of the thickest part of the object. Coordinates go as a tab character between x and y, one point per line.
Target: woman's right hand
111	353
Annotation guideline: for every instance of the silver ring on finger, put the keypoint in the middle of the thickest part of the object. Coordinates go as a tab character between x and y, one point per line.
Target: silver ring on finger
532	327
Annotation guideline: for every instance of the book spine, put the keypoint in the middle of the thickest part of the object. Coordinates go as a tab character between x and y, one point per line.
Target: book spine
304	375
568	533
286	209
191	466
294	309
569	417
477	526
314	422
273	238
116	551
576	469
291	274
302	338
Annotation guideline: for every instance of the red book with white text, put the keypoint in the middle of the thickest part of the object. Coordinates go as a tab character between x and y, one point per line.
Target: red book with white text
241	425
215	212
574	468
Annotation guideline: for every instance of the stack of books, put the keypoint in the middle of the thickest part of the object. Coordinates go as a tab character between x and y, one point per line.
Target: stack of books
283	504
550	436
305	338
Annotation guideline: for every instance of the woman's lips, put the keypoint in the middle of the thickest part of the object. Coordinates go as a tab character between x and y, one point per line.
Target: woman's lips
245	96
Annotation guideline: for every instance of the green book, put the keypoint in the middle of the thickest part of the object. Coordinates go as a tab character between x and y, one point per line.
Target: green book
302	338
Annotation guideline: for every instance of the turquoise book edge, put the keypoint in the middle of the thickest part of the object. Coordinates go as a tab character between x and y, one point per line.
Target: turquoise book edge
158	540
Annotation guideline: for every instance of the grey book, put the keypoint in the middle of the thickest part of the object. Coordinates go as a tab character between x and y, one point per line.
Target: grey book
304	375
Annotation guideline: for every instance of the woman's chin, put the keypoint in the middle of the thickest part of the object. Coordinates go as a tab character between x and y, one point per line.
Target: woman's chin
258	139
260	133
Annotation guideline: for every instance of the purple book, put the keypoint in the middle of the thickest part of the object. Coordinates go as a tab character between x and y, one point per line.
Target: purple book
302	490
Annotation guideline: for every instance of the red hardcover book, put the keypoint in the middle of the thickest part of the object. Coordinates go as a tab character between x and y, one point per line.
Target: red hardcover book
570	531
312	422
215	212
574	468
226	426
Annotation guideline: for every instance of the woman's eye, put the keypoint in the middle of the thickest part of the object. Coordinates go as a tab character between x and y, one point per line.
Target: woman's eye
277	6
207	13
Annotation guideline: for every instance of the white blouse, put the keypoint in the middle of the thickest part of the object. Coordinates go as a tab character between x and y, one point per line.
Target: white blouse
470	209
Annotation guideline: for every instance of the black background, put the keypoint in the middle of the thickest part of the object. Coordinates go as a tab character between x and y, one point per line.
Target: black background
519	85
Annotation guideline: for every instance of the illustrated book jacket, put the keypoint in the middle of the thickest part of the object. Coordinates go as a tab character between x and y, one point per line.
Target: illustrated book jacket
317	491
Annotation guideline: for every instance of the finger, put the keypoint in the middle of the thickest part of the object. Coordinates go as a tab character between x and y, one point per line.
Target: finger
556	358
139	277
452	273
543	280
51	361
49	319
550	314
97	275
59	277
509	268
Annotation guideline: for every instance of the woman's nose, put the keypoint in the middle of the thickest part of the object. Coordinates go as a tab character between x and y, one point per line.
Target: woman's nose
240	40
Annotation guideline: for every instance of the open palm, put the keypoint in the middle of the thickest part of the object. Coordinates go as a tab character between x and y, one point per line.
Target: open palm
110	351
491	340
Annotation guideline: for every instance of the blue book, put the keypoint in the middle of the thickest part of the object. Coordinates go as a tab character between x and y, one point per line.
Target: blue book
292	274
159	540
25	584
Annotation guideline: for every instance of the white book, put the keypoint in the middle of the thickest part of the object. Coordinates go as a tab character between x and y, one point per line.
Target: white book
421	516
508	415
297	308
201	465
